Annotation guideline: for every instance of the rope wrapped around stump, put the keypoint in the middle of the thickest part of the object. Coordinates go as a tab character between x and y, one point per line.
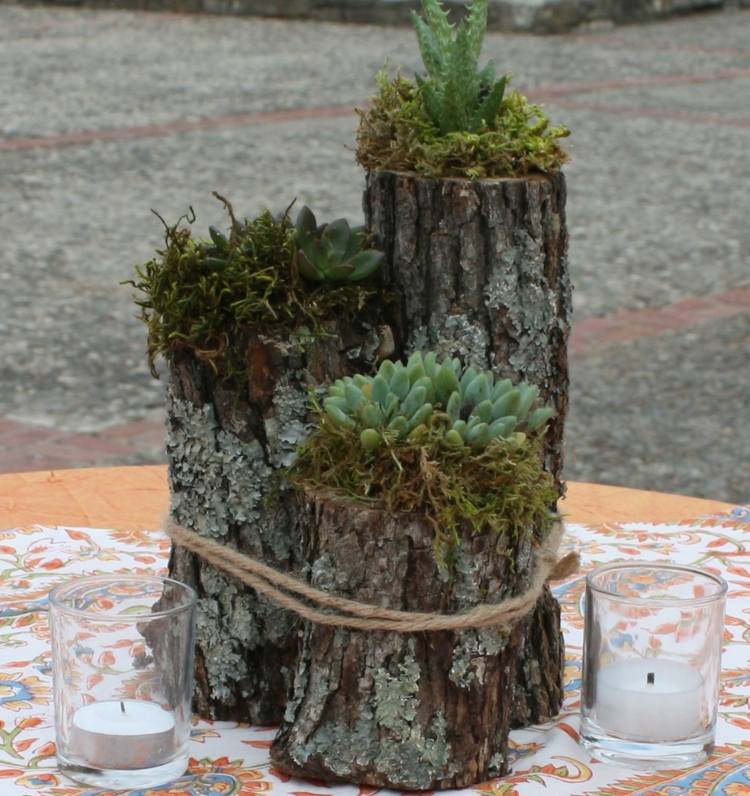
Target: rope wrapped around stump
276	586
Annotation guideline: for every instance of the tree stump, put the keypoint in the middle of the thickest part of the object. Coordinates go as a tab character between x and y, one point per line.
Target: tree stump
400	710
479	270
227	444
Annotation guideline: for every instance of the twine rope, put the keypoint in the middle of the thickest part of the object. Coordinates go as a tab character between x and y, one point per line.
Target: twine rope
279	587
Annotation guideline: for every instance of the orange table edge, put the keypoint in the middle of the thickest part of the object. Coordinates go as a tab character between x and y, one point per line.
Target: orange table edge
138	497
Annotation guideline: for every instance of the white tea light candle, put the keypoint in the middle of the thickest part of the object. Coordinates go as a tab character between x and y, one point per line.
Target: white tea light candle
650	700
114	635
651	663
127	734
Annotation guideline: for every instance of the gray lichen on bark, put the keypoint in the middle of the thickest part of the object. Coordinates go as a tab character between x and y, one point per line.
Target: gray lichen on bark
480	271
229	442
389	709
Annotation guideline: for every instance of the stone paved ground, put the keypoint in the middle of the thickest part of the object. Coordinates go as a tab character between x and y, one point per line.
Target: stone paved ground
107	114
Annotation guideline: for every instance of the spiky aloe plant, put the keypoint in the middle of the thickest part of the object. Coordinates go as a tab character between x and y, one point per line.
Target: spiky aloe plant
333	252
458	96
425	397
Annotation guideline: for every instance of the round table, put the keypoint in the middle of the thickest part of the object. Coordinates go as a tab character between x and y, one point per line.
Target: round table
138	497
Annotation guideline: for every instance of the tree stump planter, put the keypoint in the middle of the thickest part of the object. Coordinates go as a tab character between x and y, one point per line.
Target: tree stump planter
409	711
226	446
480	271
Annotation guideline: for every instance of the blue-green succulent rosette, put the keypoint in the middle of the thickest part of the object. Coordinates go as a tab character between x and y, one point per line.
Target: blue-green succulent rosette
434	437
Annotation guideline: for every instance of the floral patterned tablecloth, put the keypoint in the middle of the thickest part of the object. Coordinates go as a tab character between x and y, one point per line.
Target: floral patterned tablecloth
232	760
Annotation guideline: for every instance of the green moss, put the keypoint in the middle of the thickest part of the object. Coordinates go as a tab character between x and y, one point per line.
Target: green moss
502	489
397	133
202	295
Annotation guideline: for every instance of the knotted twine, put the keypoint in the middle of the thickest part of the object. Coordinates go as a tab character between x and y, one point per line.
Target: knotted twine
276	585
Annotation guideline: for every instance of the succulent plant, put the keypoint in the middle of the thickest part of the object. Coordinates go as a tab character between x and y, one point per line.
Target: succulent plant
333	252
458	96
466	406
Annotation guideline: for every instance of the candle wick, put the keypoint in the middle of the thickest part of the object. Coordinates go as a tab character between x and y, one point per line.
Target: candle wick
650	678
122	706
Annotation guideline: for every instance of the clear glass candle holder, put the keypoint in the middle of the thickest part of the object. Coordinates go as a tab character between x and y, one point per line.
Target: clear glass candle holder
651	664
122	652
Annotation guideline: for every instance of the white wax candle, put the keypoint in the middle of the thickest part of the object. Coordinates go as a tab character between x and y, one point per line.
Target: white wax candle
123	735
650	700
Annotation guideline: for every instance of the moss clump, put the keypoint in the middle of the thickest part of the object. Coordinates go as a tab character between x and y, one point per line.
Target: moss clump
397	133
203	294
500	486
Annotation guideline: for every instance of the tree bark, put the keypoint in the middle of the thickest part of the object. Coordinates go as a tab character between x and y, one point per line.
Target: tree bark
227	445
479	270
393	710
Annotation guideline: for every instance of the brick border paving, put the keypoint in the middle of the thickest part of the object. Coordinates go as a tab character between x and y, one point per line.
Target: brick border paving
558	93
25	447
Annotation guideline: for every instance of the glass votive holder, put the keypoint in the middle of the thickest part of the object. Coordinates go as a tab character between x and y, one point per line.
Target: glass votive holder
651	664
122	656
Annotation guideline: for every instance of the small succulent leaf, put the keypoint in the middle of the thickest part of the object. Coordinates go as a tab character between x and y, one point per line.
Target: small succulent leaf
415	359
421	416
414	400
468	377
399	426
477	391
360	380
307	269
338	402
337	389
306	225
336	235
437	18
370	440
391	406
518	439
339	418
446	383
365	264
379	390
506	404
453	407
539	417
453	439
503	427
429	386
400	384
416	371
372	416
430	364
219	239
479	436
500	388
529	394
354	397
461	428
387	369
428	45
484	410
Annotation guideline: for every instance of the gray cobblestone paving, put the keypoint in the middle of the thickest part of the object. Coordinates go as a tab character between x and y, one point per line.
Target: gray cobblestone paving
657	206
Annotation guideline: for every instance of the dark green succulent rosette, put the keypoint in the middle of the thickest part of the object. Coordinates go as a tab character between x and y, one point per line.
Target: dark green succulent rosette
457	119
433	437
